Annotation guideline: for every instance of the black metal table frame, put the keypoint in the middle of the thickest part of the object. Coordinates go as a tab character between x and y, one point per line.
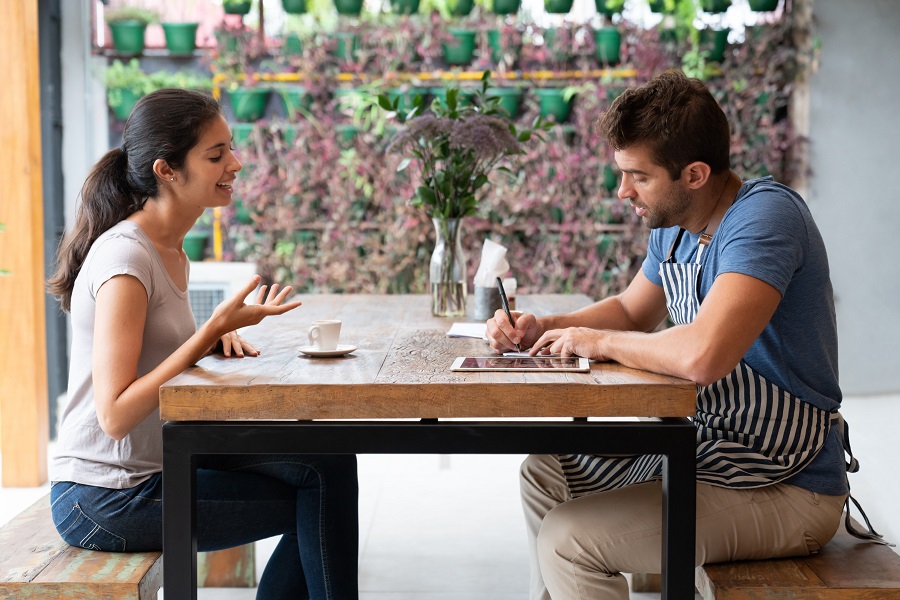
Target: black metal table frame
185	441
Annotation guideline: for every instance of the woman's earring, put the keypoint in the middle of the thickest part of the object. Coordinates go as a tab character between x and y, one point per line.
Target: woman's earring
171	179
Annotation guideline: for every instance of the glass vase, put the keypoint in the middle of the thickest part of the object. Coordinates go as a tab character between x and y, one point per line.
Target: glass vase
448	269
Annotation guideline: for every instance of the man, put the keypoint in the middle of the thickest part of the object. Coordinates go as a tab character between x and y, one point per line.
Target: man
741	270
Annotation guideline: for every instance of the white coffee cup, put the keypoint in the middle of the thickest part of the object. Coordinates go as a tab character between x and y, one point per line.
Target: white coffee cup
324	334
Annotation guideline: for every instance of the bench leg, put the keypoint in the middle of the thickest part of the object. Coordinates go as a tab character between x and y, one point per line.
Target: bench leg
646	582
231	568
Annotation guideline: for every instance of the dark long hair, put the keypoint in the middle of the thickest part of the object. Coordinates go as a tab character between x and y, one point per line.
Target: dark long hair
676	117
164	124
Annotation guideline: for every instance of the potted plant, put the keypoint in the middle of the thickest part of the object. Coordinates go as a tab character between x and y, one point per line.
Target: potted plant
505	7
558	7
294	7
197	238
237	7
608	8
348	7
128	25
460	8
405	7
181	36
455	149
715	6
763	5
125	84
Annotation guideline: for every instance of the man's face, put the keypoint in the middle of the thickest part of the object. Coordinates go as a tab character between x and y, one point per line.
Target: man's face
658	200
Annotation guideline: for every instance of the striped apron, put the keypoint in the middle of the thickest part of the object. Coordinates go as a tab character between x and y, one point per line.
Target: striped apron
750	433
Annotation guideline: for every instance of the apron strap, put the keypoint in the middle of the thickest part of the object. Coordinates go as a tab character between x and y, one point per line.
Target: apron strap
852	467
674	245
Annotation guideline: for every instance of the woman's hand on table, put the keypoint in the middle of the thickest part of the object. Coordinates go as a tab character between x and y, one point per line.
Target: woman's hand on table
233	343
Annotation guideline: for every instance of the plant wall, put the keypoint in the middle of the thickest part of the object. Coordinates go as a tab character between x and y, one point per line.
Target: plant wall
322	207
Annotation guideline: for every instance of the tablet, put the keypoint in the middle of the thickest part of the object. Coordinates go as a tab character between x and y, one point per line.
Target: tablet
544	364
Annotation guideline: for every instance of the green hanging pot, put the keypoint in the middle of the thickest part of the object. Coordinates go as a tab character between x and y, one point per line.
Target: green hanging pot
347	45
237	7
460	8
346	133
658	6
128	36
129	98
289	134
404	98
294	7
497	49
716	40
506	7
461	52
241	214
295	100
181	38
510	99
405	7
610	180
715	6
553	104
240	133
348	7
292	44
608	45
763	5
195	244
558	7
605	10
249	104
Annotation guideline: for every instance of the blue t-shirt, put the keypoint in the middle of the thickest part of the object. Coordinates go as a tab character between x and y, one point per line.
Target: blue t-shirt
769	233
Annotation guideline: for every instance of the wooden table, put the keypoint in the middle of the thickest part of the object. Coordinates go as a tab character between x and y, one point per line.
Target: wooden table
274	403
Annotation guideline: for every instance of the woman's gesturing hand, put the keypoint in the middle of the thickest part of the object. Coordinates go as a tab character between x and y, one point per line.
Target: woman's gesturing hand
234	313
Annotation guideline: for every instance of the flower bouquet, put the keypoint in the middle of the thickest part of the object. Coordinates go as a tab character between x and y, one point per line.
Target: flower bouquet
455	145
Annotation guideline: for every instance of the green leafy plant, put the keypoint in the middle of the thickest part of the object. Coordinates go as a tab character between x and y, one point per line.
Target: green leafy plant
125	78
456	147
131	13
184	79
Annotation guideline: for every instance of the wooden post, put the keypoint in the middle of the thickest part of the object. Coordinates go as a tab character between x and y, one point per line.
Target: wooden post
23	361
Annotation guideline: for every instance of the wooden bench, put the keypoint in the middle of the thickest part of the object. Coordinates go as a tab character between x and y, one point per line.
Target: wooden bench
35	563
845	569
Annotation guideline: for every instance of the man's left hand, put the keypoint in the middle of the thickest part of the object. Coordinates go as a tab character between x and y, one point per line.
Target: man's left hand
572	341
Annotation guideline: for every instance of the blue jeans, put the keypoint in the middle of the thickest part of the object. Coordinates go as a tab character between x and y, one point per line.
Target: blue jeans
311	501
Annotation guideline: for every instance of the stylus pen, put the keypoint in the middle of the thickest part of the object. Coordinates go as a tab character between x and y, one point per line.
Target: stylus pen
506	306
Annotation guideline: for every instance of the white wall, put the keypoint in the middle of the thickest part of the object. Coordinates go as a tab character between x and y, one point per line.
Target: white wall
853	190
85	116
855	198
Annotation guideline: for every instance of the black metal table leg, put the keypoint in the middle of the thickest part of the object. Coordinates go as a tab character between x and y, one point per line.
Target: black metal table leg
679	518
179	516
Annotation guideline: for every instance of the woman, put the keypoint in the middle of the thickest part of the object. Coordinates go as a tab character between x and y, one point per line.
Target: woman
123	275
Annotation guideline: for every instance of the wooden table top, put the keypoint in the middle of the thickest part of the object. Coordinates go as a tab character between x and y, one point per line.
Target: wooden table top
402	370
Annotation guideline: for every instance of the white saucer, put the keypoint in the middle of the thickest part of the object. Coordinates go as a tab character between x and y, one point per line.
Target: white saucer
341	350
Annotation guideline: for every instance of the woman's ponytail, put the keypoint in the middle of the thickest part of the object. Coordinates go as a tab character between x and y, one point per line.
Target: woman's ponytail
106	199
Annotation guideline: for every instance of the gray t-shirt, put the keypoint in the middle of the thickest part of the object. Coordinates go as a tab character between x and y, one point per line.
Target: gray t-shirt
84	453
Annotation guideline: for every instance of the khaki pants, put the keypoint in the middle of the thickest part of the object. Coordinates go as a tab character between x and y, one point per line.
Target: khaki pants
580	547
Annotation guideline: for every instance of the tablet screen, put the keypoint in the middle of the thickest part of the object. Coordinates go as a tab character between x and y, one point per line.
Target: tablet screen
520	363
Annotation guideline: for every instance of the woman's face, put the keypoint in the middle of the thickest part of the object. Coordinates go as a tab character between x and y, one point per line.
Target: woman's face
210	168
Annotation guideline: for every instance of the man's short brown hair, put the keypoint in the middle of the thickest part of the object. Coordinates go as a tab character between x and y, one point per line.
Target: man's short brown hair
675	117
